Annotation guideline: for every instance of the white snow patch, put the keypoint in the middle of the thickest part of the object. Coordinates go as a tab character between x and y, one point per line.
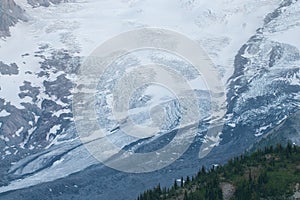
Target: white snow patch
53	130
232	124
260	132
19	131
4	113
58	162
6	139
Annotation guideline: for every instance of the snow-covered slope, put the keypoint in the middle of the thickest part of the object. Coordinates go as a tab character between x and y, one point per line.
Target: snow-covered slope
266	82
253	43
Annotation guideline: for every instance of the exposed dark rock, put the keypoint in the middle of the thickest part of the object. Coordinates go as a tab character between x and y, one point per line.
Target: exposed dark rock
10	14
28	90
61	88
11	69
278	11
61	60
49	105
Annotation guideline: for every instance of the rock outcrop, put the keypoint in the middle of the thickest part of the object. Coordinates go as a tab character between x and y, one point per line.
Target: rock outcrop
10	14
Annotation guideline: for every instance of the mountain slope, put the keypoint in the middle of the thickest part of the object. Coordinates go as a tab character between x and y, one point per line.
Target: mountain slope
287	131
264	88
39	145
272	173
